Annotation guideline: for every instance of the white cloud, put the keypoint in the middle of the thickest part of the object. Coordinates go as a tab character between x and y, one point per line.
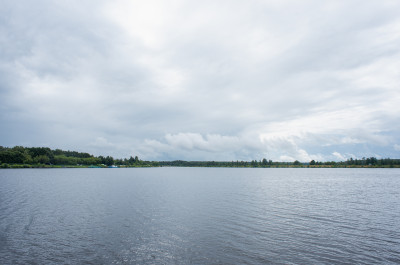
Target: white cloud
338	156
195	146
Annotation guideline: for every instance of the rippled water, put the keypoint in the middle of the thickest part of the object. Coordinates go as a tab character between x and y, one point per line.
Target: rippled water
200	216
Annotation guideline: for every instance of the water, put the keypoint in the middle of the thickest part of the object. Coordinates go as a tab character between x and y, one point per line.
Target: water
200	216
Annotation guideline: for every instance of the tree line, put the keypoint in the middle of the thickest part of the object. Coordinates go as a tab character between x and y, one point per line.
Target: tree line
264	163
39	156
36	156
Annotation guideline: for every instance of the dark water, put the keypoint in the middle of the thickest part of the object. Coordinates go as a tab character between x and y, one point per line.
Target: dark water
200	216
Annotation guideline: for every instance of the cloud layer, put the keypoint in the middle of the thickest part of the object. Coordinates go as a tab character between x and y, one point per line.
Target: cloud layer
208	80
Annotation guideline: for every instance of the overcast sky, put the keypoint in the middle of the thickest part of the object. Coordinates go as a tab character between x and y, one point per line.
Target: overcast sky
202	80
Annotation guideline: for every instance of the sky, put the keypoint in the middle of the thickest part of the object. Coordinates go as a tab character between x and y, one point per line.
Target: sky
202	80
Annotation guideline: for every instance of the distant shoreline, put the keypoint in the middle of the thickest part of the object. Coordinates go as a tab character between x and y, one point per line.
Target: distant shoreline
44	157
24	166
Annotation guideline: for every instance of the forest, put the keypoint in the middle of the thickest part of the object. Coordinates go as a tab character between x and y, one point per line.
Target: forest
20	156
27	157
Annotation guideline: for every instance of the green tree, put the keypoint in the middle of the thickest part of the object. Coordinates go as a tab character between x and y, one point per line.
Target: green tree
109	161
42	159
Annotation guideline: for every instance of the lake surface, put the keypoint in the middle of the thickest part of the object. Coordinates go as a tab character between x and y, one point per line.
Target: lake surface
200	216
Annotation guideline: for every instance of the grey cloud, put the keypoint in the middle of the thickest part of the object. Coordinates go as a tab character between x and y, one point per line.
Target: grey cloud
202	80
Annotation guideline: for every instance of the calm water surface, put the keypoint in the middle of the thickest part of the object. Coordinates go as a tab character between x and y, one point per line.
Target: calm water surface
200	216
